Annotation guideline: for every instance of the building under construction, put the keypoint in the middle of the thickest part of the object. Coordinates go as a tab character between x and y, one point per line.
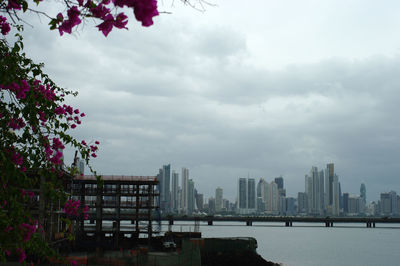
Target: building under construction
121	210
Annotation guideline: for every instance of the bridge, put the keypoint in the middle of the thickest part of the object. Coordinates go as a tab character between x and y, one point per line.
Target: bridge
286	220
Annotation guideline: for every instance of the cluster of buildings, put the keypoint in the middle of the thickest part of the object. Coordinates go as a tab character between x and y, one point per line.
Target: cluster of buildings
322	196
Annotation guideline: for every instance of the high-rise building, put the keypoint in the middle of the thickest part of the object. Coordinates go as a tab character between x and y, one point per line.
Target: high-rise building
363	192
165	180
290	206
272	204
174	192
315	191
279	182
302	203
386	204
329	175
218	199
242	196
246	196
200	201
260	195
81	167
346	202
335	204
191	206
211	205
185	187
251	186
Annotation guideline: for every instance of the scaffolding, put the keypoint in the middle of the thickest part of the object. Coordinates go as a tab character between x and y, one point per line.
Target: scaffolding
127	199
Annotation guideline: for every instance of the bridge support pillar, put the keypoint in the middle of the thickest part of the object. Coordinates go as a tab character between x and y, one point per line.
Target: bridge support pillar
249	223
288	223
210	222
373	224
368	224
328	224
171	222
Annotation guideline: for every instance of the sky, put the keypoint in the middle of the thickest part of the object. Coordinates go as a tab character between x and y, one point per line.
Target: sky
257	89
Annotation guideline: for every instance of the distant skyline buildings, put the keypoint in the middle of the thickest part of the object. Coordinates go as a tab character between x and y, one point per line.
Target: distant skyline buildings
322	196
246	196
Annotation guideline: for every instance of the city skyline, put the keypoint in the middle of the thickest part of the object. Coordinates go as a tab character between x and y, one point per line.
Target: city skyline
322	187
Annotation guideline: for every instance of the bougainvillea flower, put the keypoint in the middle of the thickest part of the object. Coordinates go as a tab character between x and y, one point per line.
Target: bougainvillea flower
4	26
107	25
145	10
120	21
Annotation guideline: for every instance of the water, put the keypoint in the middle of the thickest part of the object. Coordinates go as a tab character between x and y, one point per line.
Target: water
313	245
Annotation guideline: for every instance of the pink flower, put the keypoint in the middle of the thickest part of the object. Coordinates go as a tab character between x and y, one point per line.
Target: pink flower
100	11
97	142
94	155
59	110
76	111
82	114
72	21
4	26
107	25
16	123
145	10
60	17
120	21
73	262
7	252
28	229
8	229
22	255
83	142
73	126
13	5
16	158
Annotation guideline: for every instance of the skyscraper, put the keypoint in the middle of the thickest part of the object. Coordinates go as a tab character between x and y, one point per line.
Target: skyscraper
246	196
335	196
363	192
315	191
191	201
242	196
273	198
332	191
279	182
185	187
174	193
218	199
165	180
81	167
329	174
251	186
200	201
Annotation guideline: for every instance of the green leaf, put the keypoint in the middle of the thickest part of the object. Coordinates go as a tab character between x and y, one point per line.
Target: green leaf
24	6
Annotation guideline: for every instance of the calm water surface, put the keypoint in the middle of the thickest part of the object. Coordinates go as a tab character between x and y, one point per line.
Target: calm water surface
313	245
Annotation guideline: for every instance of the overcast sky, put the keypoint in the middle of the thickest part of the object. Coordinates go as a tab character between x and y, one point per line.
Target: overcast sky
260	89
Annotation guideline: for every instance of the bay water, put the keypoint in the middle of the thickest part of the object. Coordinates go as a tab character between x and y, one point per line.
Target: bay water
312	244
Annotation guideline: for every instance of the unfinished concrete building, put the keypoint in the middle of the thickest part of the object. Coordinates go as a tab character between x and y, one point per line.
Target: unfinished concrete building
120	210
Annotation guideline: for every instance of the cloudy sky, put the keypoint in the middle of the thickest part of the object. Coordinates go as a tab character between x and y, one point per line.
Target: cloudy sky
260	89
